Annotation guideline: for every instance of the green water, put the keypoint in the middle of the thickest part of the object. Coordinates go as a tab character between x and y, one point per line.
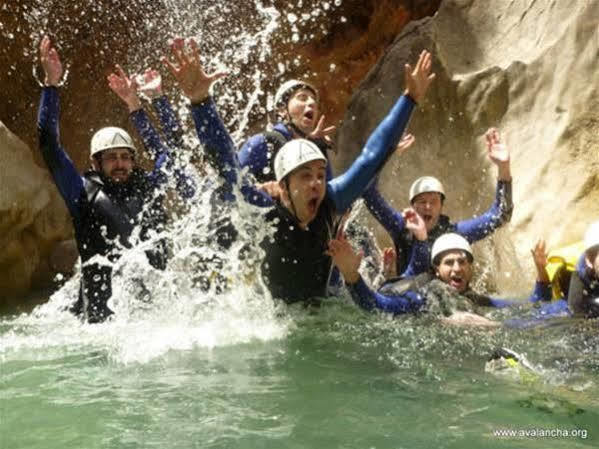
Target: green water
333	377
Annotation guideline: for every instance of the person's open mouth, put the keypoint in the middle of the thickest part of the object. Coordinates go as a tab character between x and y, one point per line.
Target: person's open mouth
313	205
456	281
309	115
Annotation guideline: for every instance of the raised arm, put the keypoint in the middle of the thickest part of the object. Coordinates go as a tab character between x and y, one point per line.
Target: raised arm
420	256
349	186
150	86
391	219
500	212
68	181
254	154
126	89
348	261
211	131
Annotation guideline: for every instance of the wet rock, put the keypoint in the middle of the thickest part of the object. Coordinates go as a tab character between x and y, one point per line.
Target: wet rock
32	218
531	71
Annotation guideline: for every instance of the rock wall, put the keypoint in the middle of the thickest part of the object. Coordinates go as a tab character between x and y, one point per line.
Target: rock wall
33	219
528	68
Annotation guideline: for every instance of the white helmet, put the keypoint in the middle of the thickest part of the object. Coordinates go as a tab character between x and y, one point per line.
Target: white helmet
295	153
288	88
591	237
110	137
426	184
449	242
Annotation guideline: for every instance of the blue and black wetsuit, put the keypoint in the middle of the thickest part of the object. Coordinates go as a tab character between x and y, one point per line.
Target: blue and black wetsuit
583	293
104	213
295	255
420	293
259	151
473	230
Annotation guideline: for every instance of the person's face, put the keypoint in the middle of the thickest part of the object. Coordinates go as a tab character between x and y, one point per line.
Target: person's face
302	110
455	269
307	187
592	261
117	164
428	205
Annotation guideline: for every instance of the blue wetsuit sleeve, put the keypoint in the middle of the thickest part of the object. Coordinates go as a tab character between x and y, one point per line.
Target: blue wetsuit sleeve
388	217
68	181
329	172
221	152
541	292
148	134
367	299
162	157
348	187
419	259
500	212
171	126
152	143
501	303
253	154
172	129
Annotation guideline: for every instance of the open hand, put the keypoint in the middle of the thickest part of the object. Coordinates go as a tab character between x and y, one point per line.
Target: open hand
420	77
188	71
405	143
347	260
415	224
320	132
539	256
149	84
50	63
389	262
498	153
271	188
125	88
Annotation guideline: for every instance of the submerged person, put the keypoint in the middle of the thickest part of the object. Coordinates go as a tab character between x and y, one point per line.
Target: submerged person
297	109
442	290
583	294
110	200
296	267
427	196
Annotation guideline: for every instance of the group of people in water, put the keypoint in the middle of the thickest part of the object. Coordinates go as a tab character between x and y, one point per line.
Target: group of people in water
285	170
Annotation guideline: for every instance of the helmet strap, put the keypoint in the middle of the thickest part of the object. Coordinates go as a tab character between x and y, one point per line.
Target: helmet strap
293	210
295	129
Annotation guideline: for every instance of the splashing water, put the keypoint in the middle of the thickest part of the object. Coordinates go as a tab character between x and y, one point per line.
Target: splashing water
199	355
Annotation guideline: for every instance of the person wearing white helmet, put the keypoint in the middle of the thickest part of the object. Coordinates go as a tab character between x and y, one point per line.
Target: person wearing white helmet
296	267
583	293
297	111
443	290
109	201
426	197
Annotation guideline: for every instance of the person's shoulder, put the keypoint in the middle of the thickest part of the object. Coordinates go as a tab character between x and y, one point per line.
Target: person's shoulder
253	142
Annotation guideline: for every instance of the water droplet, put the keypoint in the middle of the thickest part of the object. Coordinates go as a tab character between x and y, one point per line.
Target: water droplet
291	18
